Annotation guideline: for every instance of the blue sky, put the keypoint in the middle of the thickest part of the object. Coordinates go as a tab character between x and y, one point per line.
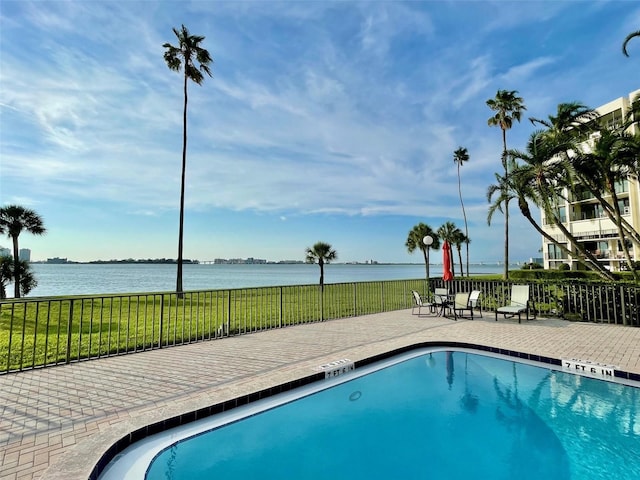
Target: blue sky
324	121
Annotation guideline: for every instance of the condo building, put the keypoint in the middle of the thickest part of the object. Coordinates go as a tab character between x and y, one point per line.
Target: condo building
583	216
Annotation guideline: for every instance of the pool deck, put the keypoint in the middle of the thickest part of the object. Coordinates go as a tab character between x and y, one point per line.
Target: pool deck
57	422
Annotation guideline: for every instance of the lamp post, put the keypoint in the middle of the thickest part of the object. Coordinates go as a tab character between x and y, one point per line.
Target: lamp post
428	241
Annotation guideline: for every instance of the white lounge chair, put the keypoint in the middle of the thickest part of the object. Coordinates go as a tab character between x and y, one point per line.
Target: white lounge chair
519	303
420	303
474	301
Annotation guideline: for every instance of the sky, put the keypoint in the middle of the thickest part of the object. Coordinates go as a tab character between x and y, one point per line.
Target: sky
331	121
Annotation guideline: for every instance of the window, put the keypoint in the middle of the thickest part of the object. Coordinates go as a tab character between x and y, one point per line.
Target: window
555	253
621	186
562	214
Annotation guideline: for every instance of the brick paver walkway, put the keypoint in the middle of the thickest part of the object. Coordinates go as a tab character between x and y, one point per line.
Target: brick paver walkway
57	422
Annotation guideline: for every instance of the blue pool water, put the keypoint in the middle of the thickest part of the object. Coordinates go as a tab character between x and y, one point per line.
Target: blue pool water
440	415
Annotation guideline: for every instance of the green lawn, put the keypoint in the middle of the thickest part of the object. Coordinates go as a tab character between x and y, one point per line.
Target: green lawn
64	329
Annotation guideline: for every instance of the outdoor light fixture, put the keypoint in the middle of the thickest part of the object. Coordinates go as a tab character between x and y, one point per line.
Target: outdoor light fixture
428	241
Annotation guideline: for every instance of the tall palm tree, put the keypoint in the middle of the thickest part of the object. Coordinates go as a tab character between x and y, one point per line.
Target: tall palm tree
415	241
15	219
184	57
508	107
322	253
626	40
448	232
460	157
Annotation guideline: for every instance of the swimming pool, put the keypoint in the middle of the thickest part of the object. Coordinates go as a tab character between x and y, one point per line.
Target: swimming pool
436	415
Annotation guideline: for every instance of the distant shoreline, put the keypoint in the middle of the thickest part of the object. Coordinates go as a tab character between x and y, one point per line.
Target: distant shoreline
170	261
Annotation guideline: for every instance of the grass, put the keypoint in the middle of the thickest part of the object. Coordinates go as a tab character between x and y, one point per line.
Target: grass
65	329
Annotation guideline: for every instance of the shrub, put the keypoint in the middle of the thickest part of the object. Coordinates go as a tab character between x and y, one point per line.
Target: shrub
532	266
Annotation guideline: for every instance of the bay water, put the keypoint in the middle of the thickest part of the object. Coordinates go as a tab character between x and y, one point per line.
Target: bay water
89	279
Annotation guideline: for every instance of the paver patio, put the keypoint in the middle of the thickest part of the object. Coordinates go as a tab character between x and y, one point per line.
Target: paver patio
57	422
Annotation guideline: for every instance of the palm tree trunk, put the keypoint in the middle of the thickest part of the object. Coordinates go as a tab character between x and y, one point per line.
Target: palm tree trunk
16	268
182	184
506	207
526	213
464	215
625	249
452	264
425	254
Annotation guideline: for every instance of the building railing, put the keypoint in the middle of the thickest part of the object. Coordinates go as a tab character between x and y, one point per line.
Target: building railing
59	330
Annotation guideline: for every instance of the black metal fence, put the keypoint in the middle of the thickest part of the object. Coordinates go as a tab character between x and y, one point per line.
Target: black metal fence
613	303
58	330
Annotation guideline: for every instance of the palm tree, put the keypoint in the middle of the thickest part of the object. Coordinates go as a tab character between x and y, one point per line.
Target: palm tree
185	56
460	156
517	186
544	174
626	40
322	253
6	274
564	129
610	161
448	232
15	219
508	107
27	280
415	240
633	114
458	239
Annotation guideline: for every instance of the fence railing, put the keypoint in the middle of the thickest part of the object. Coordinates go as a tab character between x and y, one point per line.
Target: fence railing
613	303
58	330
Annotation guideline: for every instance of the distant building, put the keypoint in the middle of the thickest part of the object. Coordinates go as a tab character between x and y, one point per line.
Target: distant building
5	252
240	261
24	254
57	260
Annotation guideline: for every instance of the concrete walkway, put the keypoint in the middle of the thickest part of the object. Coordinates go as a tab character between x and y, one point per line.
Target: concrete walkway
56	423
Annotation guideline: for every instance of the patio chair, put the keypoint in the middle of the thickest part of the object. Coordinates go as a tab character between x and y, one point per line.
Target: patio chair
474	301
460	304
519	303
440	300
419	302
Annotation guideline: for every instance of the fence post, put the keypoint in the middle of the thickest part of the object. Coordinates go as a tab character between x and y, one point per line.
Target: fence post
13	308
68	359
161	323
624	306
228	314
355	299
281	308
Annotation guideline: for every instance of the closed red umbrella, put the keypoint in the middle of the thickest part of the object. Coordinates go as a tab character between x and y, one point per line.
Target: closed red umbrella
447	276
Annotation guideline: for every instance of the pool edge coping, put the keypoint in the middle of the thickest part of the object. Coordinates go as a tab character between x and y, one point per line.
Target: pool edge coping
185	418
